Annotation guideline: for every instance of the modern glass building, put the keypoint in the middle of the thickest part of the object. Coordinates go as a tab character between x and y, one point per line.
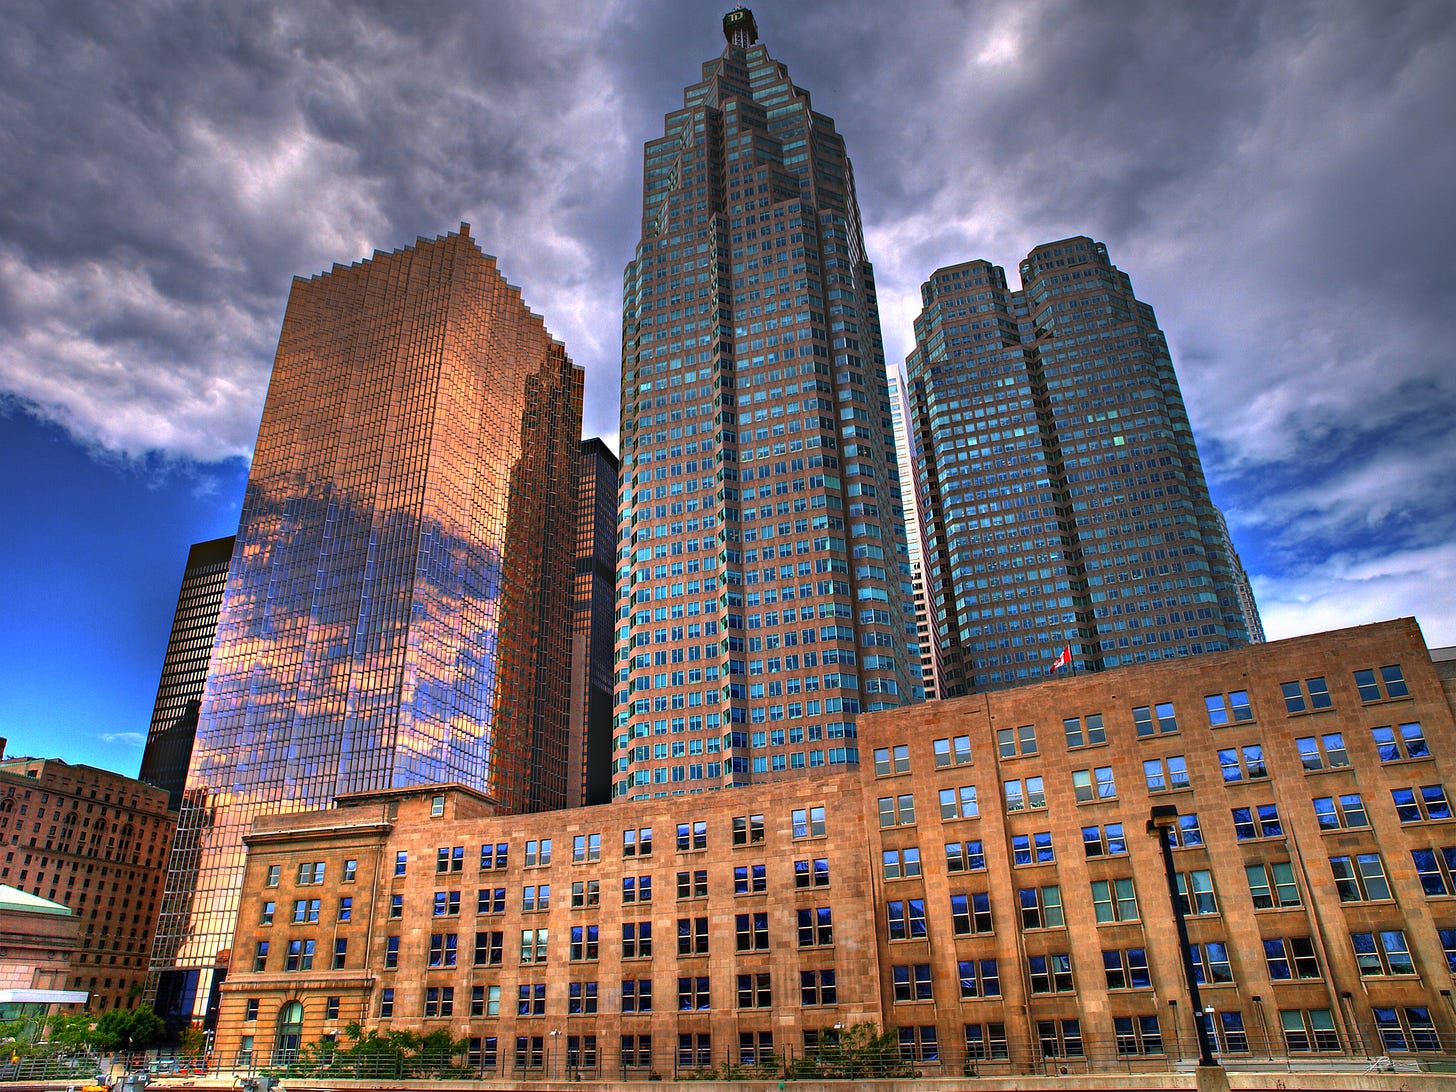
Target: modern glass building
763	586
589	770
184	669
1064	501
398	608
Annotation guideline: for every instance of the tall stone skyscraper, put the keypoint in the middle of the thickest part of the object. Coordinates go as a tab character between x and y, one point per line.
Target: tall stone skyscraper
1064	500
184	670
398	609
762	582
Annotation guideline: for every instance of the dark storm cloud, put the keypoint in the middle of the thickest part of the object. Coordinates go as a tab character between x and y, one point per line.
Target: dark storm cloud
1274	176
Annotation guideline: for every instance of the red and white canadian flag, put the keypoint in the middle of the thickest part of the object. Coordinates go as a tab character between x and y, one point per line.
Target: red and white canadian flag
1064	659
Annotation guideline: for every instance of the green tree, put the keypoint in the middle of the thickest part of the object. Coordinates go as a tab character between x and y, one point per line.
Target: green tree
128	1029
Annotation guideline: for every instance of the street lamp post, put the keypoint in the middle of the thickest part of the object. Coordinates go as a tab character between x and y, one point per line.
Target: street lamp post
1164	818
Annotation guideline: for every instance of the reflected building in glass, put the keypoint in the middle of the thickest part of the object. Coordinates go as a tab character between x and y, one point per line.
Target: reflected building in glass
1063	498
399	606
763	586
184	669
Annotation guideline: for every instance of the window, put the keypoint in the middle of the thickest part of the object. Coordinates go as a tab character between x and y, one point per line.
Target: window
1306	697
693	885
692	936
1060	1038
391	951
637	843
1405	741
538	853
1084	731
809	822
901	863
581	998
1167	773
310	872
494	855
970	913
1389	684
346	910
533	945
401	862
636	939
488	947
1230	708
586	893
439	1000
754	991
442	949
1195	892
1211	963
636	1051
1428	803
636	889
266	916
695	1049
1337	812
959	803
897	811
396	906
581	1050
906	918
692	993
530	1051
818	988
1137	1035
747	830
1289	958
750	879
1114	900
1011	742
341	952
386	1002
1239	763
636	995
812	873
1360	878
955	751
490	900
965	856
918	1044
986	1042
485	1000
892	760
978	978
751	932
437	806
250	1009
1308	1029
911	982
449	858
1127	969
584	942
1326	752
1436	867
1260	821
1050	973
586	847
351	869
816	927
446	903
531	999
1382	953
1032	848
1406	1028
300	955
1272	885
1104	841
1154	719
260	956
274	871
1019	796
1095	784
1448	947
536	897
1041	907
692	836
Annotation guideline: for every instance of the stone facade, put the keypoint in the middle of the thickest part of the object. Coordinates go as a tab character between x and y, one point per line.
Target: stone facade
984	884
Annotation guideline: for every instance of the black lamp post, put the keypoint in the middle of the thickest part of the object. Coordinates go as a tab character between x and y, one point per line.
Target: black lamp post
1162	819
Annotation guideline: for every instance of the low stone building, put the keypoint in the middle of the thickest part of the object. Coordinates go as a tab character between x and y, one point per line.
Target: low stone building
984	884
38	939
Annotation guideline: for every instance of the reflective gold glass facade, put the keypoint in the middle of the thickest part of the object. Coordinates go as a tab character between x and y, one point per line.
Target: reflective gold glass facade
398	609
763	587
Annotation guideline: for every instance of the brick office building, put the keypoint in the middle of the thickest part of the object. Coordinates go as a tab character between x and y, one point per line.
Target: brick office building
983	883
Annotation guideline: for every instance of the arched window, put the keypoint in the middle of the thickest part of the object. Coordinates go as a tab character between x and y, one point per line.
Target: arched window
290	1033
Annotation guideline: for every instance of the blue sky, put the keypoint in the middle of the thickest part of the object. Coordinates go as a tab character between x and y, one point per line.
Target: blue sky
1275	178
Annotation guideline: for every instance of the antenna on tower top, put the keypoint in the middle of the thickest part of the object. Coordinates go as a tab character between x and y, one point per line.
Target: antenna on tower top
739	28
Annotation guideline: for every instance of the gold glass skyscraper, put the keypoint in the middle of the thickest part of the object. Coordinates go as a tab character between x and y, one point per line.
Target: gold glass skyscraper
398	609
762	582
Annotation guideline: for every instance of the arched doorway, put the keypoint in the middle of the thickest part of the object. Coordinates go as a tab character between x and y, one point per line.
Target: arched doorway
290	1033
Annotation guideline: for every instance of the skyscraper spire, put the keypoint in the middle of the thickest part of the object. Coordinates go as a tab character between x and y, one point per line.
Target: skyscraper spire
740	28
